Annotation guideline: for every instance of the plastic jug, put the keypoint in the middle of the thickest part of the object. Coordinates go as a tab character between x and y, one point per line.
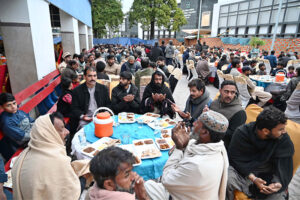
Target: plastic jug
103	122
280	75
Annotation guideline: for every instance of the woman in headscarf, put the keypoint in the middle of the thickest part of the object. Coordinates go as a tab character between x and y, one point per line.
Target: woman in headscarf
43	170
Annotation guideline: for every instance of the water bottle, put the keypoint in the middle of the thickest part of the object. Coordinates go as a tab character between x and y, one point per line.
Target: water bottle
82	139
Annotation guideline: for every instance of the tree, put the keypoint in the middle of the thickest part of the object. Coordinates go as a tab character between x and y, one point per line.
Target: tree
256	42
156	12
106	13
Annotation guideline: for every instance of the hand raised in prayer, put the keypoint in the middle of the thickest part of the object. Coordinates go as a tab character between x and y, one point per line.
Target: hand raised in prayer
272	188
155	97
260	184
128	98
180	135
162	97
139	188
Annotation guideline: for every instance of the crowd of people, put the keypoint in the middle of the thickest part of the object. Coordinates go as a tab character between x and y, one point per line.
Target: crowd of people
215	152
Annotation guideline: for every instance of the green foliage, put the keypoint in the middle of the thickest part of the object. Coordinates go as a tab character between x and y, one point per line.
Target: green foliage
106	13
159	12
255	42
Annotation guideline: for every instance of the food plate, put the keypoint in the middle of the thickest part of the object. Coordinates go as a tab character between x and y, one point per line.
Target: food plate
162	144
126	117
146	148
92	149
163	123
137	156
166	134
149	117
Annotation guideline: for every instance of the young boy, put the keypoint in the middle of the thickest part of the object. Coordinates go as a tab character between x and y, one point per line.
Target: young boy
280	66
262	69
291	73
15	125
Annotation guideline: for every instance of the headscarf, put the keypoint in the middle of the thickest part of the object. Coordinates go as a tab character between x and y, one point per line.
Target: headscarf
43	170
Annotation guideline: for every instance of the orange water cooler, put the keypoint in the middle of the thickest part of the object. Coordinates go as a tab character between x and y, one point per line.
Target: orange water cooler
103	122
280	76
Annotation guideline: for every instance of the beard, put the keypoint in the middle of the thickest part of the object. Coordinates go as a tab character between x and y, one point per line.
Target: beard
157	85
130	190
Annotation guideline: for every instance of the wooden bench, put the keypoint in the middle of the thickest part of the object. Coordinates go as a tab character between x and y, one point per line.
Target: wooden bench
40	94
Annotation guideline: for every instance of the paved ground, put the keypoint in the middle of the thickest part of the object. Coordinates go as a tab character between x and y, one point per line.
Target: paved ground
180	95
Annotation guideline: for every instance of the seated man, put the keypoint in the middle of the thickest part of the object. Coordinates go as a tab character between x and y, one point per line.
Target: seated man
161	65
229	105
196	102
261	157
125	96
147	70
254	91
131	65
262	69
87	97
291	86
197	168
111	67
114	178
43	170
15	125
157	98
100	71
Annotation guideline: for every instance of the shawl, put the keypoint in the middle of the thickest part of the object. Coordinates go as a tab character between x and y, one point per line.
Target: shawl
226	109
96	193
247	152
43	170
199	104
202	69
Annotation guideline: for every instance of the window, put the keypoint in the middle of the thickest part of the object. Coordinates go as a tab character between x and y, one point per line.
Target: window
292	14
188	5
264	17
291	28
242	20
254	4
274	15
244	6
224	9
252	18
223	22
263	30
241	31
233	7
266	3
232	20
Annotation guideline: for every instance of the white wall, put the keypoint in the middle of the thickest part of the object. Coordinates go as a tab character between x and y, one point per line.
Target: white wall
76	35
6	14
39	16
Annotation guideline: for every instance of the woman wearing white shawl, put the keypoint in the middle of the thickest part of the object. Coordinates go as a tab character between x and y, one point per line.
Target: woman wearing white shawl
43	170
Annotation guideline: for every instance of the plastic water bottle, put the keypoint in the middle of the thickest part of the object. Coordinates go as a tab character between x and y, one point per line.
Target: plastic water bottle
82	139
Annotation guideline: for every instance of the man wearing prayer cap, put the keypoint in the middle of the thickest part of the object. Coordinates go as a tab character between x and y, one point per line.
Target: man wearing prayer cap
197	168
67	57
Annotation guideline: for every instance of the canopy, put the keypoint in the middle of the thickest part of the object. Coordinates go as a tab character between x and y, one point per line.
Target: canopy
123	41
235	41
195	31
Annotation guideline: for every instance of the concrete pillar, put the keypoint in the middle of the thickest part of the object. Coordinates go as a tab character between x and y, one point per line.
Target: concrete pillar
90	30
83	36
69	33
27	36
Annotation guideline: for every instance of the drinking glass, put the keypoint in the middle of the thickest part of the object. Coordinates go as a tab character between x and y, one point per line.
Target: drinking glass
125	138
140	122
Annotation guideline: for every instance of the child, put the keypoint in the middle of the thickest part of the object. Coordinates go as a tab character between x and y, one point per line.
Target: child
15	125
262	69
65	100
291	73
280	66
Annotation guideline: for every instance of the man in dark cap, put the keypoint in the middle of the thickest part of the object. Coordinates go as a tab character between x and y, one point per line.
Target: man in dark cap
125	96
261	158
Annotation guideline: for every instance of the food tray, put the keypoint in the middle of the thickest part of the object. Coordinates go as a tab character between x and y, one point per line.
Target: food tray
149	117
137	156
167	135
162	144
92	149
163	123
127	118
146	148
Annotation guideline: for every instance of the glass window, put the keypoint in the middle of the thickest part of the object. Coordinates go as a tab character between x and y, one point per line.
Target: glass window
278	29
254	4
241	31
233	7
274	15
223	22
263	30
231	31
277	1
224	9
188	5
251	30
264	17
292	14
252	19
266	3
291	28
244	6
232	20
242	20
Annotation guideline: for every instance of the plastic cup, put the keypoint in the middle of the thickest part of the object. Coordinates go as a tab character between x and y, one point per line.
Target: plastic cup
125	138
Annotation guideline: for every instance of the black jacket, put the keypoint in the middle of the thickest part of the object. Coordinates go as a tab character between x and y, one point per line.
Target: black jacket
155	53
119	105
81	99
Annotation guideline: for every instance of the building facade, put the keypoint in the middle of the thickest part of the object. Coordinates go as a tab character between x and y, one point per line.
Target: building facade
240	18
